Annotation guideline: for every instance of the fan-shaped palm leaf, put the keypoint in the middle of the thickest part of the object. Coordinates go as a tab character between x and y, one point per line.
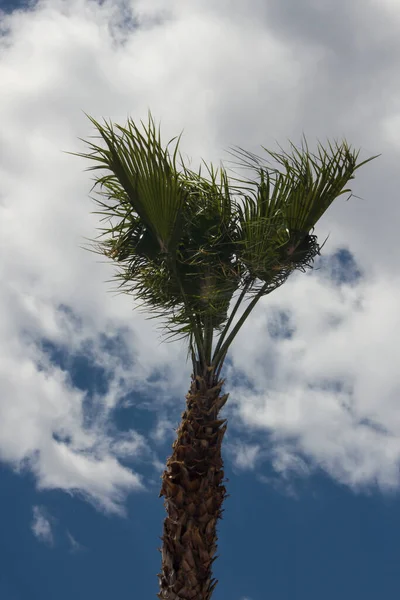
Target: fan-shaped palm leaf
186	242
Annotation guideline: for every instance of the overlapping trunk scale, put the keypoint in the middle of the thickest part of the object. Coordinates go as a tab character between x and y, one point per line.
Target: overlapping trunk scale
192	485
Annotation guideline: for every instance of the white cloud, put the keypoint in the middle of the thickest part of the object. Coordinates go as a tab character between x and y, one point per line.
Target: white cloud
226	75
331	390
41	526
164	429
244	455
74	545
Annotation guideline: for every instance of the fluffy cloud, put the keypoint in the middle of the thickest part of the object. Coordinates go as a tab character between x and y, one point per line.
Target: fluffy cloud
244	455
326	386
326	391
41	526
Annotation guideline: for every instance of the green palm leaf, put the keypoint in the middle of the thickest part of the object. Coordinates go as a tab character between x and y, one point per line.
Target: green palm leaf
144	175
285	204
185	242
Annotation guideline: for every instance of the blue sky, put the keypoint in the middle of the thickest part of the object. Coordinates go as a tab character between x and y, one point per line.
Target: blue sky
317	539
326	542
89	397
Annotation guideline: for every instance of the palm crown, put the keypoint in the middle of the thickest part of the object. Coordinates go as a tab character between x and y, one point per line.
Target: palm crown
185	242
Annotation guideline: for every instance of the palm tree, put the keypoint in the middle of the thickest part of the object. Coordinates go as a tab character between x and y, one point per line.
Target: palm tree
189	247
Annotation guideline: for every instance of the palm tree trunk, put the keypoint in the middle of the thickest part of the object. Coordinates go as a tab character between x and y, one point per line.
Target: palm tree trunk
194	492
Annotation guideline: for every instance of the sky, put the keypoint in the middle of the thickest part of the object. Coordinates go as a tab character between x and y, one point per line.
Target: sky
90	397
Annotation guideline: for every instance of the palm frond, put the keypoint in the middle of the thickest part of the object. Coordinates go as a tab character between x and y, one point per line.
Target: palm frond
185	242
283	205
142	174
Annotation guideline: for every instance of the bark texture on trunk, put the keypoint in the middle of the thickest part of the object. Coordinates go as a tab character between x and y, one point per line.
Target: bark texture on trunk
192	485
